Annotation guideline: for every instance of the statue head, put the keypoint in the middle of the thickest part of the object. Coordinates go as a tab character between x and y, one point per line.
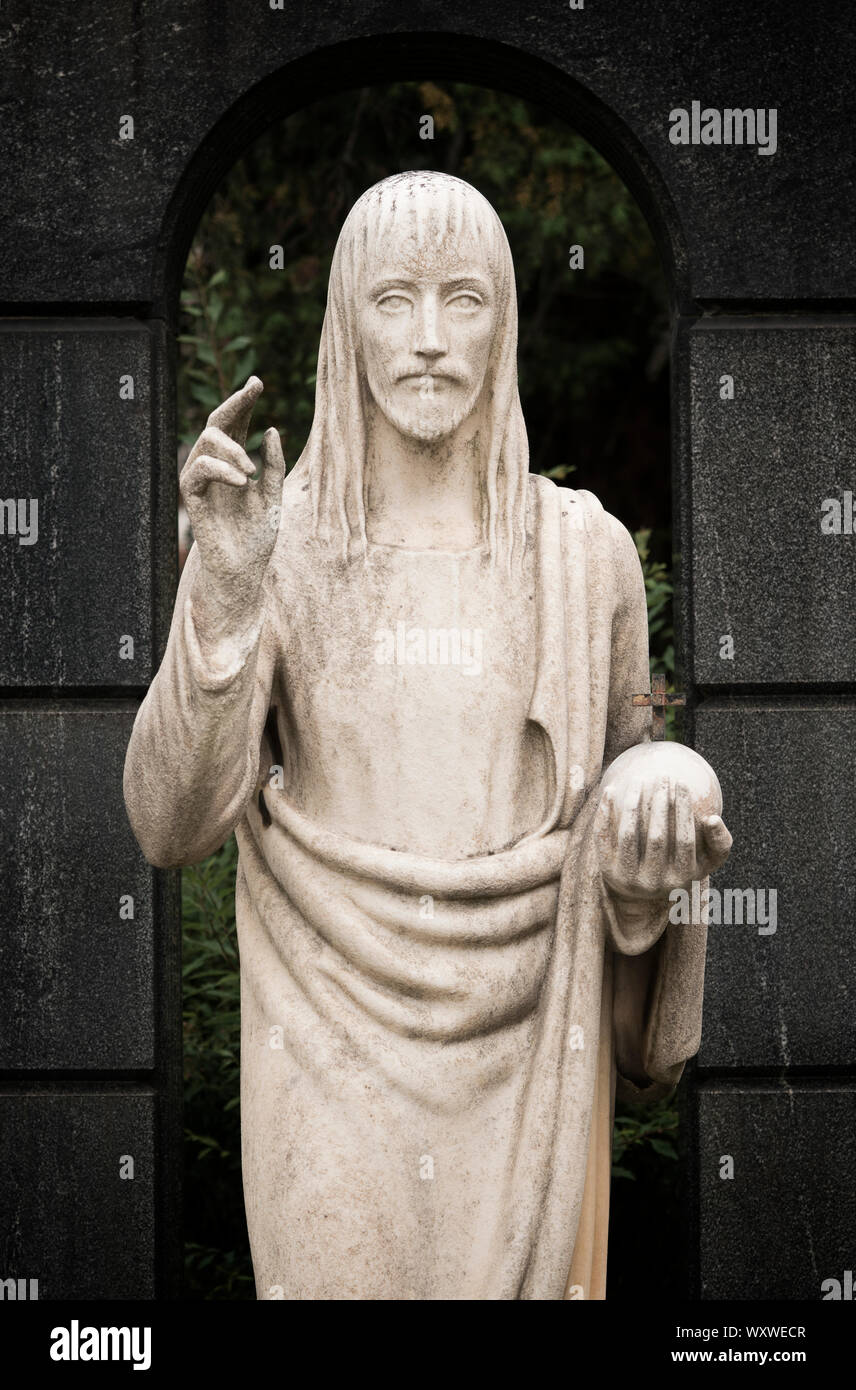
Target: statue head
429	286
421	325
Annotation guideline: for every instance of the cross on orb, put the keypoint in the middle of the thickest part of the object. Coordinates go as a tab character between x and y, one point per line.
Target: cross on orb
658	699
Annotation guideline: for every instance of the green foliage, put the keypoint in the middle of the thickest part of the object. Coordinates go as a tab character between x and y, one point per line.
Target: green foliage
659	593
217	354
654	1128
217	1261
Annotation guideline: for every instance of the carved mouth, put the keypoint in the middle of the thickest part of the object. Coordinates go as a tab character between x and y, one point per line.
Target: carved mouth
437	380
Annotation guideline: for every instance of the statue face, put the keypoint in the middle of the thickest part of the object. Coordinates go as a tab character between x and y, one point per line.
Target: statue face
426	324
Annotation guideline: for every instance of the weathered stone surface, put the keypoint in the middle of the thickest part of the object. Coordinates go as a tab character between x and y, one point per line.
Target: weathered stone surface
769	226
86	456
763	463
784	1223
67	1216
77	979
788	998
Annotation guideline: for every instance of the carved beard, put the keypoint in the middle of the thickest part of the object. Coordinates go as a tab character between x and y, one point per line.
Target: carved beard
426	419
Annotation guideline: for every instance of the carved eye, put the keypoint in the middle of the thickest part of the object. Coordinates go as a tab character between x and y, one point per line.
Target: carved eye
467	301
394	302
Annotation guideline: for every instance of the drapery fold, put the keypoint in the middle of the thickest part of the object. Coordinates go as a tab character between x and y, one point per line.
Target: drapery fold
454	1019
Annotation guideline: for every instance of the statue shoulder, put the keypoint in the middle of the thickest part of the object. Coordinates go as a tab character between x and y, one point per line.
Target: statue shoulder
624	550
580	509
609	540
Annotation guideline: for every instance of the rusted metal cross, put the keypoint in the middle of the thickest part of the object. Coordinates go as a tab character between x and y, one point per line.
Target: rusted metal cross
658	699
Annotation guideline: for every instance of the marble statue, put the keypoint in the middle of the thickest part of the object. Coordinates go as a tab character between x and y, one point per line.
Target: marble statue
402	675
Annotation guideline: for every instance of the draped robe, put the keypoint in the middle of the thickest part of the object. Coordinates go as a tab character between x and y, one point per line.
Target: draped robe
430	1047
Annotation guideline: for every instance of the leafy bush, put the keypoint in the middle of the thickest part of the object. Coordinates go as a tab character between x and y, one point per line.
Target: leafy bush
655	1127
217	1260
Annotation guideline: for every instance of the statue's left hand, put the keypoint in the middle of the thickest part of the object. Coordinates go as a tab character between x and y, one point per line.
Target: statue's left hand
651	841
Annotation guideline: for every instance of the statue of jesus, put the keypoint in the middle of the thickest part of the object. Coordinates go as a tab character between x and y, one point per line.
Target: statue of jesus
402	675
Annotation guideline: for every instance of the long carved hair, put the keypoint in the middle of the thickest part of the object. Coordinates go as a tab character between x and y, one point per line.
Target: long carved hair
334	456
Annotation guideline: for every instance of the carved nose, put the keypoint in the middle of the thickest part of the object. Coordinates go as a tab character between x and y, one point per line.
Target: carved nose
429	338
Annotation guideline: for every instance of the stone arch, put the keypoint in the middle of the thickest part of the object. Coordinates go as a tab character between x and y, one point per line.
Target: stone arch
462	58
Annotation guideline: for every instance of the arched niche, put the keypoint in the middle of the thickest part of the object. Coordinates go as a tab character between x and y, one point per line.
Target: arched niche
366	61
377	62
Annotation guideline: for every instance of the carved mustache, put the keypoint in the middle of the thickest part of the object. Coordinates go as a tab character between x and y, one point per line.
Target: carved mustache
446	375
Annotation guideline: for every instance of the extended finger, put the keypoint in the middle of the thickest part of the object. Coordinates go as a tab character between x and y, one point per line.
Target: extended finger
628	827
233	416
205	470
273	460
718	841
219	445
685	834
657	837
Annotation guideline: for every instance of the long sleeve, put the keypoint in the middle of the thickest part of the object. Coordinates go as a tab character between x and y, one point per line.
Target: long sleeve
192	762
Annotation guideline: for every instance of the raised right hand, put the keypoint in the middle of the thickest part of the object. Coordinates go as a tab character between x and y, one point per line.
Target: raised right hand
234	520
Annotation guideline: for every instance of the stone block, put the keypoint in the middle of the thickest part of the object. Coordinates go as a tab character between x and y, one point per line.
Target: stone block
77	971
68	1217
78	464
769	469
783	998
784	1225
